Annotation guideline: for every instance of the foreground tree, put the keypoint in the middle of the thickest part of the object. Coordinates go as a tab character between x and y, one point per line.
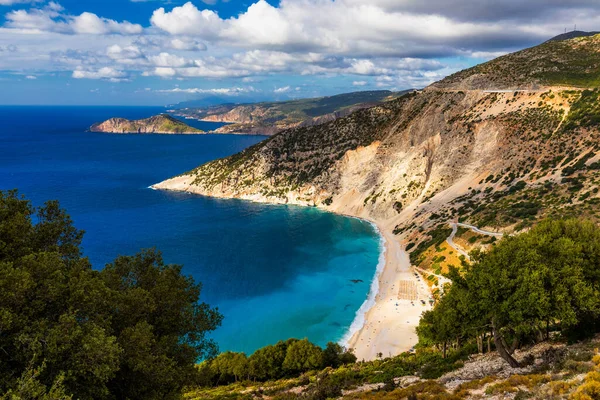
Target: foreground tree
335	355
133	330
267	362
302	356
523	284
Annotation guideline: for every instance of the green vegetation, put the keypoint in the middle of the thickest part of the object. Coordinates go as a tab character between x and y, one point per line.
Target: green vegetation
522	286
166	123
329	382
132	330
574	62
283	360
437	236
585	112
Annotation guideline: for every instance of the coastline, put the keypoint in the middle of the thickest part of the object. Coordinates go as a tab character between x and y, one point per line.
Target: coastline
386	322
359	319
389	325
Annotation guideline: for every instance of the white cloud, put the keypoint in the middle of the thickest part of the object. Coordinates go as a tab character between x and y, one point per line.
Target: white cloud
396	42
31	77
284	89
106	73
12	2
187	44
234	91
187	19
169	60
129	55
349	27
51	19
92	24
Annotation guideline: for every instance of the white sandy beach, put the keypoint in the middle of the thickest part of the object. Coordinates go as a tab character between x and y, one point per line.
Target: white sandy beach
390	324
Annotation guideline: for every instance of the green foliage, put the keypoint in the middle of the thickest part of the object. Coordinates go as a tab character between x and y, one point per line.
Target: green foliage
437	236
132	330
585	112
547	274
267	363
573	62
28	386
287	358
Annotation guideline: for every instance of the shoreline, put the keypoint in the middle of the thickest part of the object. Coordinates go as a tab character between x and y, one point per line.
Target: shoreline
389	325
386	321
359	320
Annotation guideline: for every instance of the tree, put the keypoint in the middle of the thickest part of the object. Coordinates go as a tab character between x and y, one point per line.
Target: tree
230	366
159	324
536	277
335	355
302	356
547	274
267	362
28	386
134	330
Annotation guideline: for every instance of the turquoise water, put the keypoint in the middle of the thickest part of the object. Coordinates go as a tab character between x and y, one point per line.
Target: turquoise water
275	272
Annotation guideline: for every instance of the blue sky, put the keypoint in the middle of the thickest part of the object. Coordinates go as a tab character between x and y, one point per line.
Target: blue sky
159	52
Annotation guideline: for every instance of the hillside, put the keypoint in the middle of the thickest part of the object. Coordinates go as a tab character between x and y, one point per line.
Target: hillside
497	160
160	124
572	35
269	118
571	63
553	371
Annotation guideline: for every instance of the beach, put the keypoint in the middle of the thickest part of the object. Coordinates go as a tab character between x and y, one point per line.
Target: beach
389	326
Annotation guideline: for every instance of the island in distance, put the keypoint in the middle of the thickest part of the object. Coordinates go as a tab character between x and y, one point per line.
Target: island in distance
159	124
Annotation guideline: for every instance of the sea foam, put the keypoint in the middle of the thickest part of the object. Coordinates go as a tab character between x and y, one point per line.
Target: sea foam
359	320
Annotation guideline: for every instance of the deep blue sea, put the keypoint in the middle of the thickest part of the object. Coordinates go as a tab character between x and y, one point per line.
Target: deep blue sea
275	272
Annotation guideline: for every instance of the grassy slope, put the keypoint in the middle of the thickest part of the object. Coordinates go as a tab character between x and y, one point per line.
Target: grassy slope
574	62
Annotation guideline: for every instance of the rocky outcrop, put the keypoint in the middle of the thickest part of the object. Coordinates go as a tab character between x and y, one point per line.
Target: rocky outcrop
160	124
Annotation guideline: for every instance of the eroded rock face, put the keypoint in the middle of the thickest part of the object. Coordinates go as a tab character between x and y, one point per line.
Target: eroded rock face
159	124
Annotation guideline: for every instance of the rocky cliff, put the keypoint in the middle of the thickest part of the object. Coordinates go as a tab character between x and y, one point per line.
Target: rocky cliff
163	124
501	159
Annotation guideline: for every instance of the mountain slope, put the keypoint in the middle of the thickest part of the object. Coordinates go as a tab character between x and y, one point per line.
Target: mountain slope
272	117
574	63
163	124
573	35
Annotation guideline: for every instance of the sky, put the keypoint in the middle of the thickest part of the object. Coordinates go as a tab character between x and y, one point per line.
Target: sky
160	52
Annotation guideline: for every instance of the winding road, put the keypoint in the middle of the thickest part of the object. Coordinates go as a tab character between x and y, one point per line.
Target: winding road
475	229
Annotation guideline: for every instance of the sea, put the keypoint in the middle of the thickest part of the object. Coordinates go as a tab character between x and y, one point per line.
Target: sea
274	272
